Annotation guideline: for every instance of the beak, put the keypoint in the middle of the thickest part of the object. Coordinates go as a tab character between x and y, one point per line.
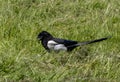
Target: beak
39	38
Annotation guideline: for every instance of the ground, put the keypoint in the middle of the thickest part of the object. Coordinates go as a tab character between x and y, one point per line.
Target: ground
23	59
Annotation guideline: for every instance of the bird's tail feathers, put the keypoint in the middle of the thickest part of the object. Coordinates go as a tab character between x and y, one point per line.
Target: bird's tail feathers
90	42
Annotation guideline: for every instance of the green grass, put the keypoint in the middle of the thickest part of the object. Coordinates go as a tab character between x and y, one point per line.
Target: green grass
23	59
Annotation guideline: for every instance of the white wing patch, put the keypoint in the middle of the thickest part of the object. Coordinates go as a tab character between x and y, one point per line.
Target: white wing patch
60	47
52	45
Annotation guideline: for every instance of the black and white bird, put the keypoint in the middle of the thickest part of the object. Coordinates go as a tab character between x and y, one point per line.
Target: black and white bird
56	44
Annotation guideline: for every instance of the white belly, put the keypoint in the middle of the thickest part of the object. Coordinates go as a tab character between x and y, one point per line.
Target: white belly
52	45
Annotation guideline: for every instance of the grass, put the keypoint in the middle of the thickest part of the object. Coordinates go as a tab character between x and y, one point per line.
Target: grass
23	59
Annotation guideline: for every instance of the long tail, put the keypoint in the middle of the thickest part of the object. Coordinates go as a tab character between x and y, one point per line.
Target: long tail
90	42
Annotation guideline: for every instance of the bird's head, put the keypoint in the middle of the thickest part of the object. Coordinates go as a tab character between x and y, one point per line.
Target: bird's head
44	34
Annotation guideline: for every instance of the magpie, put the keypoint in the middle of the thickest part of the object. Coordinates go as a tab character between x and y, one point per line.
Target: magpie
51	43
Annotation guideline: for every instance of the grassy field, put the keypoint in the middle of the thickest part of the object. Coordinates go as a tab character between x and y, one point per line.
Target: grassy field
23	59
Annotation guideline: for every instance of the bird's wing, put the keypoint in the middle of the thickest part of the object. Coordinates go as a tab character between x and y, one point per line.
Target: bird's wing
65	42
